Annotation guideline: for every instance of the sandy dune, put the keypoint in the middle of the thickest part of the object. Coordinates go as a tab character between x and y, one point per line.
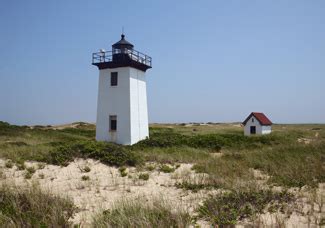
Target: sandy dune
106	186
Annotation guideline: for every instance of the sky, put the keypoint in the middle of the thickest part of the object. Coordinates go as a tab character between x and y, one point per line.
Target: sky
213	60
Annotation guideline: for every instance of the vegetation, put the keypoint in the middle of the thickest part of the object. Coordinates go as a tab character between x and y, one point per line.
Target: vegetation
167	137
292	156
228	208
280	155
33	208
166	169
291	166
144	176
108	153
123	171
135	213
195	187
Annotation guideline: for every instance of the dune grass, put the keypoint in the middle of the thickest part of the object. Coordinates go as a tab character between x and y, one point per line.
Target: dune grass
290	166
227	208
280	155
139	213
33	208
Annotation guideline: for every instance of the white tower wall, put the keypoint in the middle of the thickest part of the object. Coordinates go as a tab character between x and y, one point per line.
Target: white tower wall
138	105
127	101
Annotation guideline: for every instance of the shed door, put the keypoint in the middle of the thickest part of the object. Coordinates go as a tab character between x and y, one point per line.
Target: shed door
253	130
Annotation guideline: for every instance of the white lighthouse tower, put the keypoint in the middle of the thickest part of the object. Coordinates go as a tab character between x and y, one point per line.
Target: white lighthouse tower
122	113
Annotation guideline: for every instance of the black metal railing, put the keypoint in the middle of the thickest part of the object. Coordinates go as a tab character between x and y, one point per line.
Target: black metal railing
110	56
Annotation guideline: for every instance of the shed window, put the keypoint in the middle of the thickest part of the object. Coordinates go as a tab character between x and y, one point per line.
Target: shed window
114	79
112	123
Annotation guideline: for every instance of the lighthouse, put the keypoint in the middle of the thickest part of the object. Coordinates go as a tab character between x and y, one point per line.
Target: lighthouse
122	112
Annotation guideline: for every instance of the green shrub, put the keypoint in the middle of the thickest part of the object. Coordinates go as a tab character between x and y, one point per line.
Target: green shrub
144	176
214	142
166	169
10	130
209	141
80	132
162	140
150	167
228	208
108	153
122	171
195	187
136	213
33	208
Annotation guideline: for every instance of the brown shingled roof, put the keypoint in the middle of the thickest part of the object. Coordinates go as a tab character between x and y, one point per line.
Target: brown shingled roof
260	117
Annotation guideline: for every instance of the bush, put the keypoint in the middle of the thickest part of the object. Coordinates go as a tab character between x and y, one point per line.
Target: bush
162	140
136	213
123	171
144	176
108	153
195	187
166	169
205	141
33	208
168	138
10	130
150	167
228	208
80	132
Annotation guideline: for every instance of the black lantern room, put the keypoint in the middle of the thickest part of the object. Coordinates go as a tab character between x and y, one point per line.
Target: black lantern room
122	55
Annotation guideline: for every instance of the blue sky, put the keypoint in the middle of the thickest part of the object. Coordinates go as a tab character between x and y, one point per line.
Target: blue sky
212	60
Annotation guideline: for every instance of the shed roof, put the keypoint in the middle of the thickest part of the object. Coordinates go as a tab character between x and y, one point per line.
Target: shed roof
262	119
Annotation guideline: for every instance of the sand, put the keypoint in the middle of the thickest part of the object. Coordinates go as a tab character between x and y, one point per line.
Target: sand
106	186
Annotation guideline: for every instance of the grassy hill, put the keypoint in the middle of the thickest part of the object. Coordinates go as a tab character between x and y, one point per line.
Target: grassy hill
292	156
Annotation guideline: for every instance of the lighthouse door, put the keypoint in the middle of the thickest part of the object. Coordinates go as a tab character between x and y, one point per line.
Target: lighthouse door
112	128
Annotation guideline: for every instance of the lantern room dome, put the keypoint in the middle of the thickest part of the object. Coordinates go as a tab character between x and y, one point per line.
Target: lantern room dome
122	44
122	55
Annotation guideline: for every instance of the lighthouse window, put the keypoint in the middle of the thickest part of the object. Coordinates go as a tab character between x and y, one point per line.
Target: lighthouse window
112	123
114	79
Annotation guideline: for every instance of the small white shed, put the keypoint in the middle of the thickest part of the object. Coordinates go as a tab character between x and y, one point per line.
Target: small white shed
257	124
